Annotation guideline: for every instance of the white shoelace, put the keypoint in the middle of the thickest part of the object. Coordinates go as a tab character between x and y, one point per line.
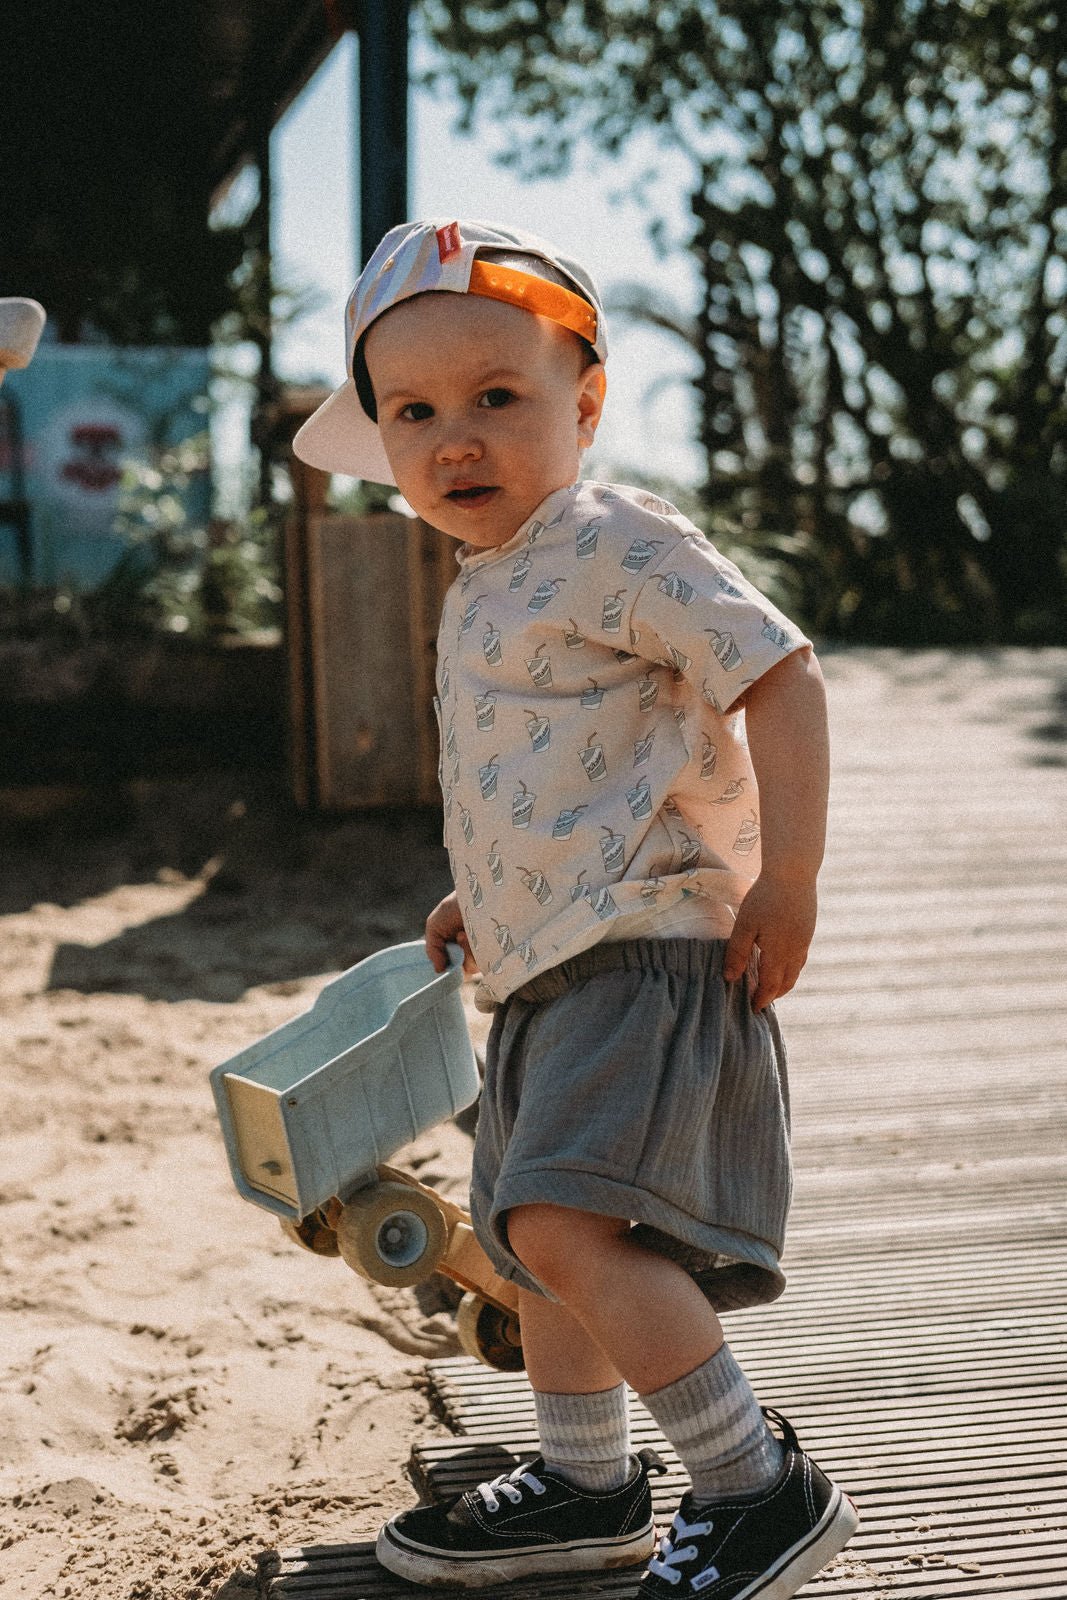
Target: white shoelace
508	1486
672	1554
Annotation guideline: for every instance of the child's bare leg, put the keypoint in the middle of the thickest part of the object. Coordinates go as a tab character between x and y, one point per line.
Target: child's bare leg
655	1328
642	1312
561	1357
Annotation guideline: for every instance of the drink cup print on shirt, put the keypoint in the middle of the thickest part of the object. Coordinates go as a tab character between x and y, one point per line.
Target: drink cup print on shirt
485	711
571	636
643	748
491	646
522	804
502	935
540	730
451	742
640	554
487	777
603	905
733	791
647	692
540	668
775	634
526	951
466	822
520	572
724	649
678	659
613	850
580	890
446	677
537	884
564	824
536	530
494	861
639	799
747	835
709	759
585	542
690	852
546	591
475	889
611	613
592	759
467	621
711	697
651	891
674	586
592	696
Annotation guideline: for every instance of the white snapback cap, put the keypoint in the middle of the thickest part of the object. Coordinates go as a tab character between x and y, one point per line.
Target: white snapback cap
428	258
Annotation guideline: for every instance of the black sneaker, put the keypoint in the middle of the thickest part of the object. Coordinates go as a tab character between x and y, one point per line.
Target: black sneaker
526	1522
767	1544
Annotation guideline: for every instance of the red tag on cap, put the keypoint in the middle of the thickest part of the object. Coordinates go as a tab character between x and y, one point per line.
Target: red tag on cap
449	242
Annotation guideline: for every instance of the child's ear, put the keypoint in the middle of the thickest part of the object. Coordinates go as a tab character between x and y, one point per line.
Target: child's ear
592	387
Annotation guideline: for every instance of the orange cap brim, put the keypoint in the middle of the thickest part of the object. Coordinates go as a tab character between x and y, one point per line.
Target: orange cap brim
522	289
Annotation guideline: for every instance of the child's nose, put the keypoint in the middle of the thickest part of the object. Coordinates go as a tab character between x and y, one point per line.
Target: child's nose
458	444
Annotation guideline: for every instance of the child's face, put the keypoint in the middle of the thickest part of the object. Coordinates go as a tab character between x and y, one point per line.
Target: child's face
483	410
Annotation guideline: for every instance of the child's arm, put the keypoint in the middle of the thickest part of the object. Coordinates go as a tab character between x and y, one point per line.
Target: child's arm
444	926
785	715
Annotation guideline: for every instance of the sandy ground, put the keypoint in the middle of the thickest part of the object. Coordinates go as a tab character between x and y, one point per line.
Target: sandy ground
180	1385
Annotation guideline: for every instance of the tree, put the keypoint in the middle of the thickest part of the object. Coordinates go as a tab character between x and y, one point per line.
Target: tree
879	220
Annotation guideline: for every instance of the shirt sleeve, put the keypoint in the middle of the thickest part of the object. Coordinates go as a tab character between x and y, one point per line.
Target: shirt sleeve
697	614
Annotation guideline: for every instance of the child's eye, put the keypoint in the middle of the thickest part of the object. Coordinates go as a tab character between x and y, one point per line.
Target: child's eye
492	398
417	411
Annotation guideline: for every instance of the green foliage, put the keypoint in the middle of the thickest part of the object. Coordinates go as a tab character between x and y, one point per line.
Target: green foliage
879	220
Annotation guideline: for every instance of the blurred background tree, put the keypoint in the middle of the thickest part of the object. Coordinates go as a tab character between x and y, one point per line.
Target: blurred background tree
878	206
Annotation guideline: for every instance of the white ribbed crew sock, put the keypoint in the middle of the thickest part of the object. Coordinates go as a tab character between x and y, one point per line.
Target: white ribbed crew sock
713	1420
586	1437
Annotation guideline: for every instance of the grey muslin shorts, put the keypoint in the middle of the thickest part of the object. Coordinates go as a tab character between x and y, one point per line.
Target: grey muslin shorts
632	1081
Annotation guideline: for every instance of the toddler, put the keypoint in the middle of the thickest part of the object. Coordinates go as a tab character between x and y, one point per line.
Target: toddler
634	772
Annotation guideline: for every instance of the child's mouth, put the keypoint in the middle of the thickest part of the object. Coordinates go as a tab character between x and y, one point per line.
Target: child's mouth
473	494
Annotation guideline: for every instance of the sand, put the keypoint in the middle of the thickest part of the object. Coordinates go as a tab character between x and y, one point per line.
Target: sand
180	1385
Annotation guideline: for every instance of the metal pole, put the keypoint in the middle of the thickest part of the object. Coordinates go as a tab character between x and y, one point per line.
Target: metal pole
383	120
263	332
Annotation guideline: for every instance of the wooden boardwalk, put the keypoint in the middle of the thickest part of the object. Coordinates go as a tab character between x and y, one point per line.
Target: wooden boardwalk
921	1349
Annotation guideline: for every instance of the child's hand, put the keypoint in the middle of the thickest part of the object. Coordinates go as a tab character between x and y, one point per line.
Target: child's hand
444	926
777	915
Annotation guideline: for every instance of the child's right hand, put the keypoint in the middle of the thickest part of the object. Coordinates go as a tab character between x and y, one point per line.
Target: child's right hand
444	926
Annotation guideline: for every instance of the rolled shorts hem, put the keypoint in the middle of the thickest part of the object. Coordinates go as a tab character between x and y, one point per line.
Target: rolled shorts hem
719	1259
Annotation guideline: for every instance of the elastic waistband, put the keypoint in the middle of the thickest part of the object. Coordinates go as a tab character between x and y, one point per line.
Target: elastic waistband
684	958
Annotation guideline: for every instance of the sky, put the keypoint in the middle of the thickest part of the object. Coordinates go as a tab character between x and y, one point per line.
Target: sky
648	422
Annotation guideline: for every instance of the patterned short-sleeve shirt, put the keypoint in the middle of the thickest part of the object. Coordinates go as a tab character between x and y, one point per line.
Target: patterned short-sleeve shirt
593	758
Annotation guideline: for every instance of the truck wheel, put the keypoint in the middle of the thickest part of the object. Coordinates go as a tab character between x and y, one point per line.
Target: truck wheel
313	1234
488	1334
392	1234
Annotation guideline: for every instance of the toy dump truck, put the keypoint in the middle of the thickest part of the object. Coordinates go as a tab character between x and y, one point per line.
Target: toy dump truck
313	1112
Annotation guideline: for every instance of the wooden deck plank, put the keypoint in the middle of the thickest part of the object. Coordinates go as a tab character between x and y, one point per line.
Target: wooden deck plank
921	1348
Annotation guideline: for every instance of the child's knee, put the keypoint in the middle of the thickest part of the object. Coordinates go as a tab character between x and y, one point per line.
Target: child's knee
554	1243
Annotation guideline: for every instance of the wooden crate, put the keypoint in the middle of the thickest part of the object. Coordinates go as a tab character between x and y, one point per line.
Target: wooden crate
368	591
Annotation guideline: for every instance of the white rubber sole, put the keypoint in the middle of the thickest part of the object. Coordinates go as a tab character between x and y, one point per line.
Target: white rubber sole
839	1522
478	1572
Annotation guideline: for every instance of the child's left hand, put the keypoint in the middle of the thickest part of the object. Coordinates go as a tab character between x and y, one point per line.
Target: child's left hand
778	916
